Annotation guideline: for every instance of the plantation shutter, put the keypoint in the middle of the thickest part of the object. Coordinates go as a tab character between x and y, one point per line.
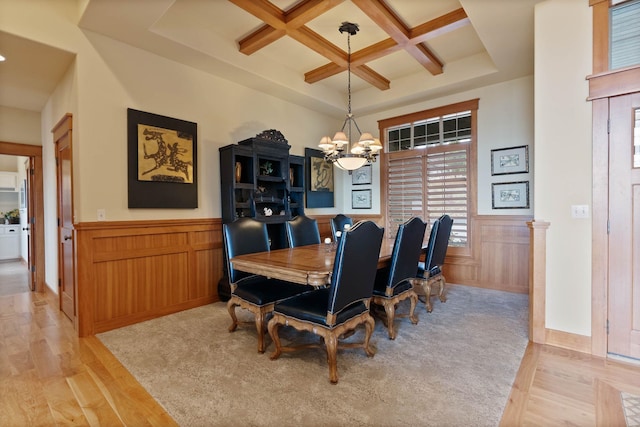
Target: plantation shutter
447	189
405	191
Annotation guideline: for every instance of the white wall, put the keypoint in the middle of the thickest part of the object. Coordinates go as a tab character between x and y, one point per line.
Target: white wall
19	126
563	140
505	119
107	78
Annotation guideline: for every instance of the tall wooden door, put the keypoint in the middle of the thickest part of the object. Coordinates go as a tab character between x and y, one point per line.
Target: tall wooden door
624	231
66	266
26	220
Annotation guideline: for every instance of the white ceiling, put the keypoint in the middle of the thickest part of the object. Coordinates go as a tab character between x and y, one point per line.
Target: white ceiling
204	34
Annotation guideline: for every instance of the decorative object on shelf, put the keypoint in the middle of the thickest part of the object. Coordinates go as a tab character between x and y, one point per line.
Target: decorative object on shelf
360	199
291	177
238	171
340	150
272	135
361	176
162	161
266	168
510	195
510	160
268	211
11	217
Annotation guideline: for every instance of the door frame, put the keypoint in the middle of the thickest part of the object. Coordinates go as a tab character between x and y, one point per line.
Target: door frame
603	84
36	209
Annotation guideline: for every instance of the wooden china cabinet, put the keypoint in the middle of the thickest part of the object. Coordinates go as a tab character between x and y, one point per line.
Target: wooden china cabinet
259	179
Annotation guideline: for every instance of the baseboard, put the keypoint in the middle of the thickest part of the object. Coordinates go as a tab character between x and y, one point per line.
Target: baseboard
581	343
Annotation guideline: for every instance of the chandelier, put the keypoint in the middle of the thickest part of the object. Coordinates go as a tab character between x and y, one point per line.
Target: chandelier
340	150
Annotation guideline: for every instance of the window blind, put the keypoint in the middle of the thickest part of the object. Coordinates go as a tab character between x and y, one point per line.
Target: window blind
448	190
405	192
625	35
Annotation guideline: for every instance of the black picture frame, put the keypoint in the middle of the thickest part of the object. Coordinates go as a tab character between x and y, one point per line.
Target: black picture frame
175	184
510	195
361	199
505	161
361	176
315	198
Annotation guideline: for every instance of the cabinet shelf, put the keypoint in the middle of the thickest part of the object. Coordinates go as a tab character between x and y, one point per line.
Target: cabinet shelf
244	185
269	178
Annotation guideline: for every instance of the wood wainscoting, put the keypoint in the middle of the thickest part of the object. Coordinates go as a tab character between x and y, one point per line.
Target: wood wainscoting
132	271
499	256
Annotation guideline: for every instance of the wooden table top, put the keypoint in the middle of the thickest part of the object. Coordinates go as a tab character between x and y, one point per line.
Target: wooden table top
310	264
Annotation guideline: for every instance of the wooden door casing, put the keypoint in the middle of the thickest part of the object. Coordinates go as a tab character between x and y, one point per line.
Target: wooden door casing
624	231
66	267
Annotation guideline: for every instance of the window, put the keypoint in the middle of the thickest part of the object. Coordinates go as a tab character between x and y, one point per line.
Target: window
625	35
430	165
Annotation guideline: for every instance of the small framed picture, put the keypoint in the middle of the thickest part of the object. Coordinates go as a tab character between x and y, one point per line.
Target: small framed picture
361	199
510	195
510	160
361	176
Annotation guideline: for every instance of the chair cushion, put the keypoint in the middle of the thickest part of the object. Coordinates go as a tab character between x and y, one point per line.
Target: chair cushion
312	307
434	271
260	290
401	287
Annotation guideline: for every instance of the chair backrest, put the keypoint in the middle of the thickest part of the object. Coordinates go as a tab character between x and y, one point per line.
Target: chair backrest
442	241
338	222
406	251
428	251
302	231
355	265
243	236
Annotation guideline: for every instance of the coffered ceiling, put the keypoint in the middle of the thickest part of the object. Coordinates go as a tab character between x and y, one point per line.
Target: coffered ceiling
405	51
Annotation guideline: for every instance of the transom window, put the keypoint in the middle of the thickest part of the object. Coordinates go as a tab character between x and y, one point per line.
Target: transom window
448	129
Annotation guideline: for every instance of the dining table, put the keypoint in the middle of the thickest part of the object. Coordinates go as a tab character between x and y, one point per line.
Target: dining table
307	265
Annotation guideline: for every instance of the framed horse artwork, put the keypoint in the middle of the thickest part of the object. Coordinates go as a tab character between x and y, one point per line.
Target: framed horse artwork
162	161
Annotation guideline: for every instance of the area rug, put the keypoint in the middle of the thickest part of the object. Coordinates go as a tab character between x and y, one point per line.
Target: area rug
456	367
631	405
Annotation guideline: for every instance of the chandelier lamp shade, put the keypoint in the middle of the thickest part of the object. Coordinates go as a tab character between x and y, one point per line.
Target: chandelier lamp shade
341	150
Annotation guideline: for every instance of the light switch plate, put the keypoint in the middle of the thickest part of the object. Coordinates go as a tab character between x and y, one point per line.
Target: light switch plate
102	215
579	211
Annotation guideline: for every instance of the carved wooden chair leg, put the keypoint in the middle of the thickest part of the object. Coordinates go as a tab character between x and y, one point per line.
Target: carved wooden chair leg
412	311
426	287
369	325
274	328
331	343
441	294
260	326
231	308
390	311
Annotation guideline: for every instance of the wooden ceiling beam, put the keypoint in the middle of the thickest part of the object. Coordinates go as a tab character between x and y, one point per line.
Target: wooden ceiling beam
434	28
277	22
308	10
439	26
424	56
361	57
320	45
255	41
292	23
370	76
386	19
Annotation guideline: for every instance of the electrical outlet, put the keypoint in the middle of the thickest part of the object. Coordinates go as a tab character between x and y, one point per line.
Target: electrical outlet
102	215
579	211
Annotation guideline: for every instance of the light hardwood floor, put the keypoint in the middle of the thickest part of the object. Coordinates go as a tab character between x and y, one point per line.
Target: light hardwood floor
49	376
